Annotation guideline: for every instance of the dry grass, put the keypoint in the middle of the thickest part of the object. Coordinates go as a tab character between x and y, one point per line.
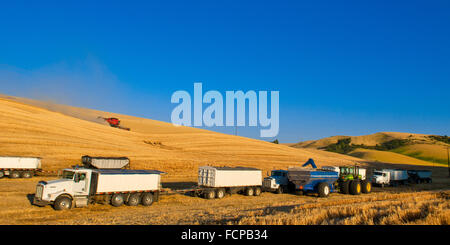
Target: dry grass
62	134
387	156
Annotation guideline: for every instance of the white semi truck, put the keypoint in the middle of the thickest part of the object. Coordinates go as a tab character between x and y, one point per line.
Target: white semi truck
80	187
390	177
215	182
19	167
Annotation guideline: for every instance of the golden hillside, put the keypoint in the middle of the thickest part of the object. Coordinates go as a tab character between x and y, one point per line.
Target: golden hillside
62	134
368	140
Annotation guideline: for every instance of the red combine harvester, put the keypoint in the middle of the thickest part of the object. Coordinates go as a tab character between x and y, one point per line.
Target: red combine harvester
114	122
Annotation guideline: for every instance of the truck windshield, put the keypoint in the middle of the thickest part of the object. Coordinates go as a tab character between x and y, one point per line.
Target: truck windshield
377	173
67	175
276	173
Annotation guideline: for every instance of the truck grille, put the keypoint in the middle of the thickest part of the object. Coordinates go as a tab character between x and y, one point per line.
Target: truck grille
267	183
39	189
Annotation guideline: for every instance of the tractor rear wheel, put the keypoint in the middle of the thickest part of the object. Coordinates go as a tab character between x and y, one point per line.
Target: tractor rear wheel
355	187
344	187
323	189
366	186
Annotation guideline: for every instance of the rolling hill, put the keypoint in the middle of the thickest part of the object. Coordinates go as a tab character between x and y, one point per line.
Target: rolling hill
62	134
420	148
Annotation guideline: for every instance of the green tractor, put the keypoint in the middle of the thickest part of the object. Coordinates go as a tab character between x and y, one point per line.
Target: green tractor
352	180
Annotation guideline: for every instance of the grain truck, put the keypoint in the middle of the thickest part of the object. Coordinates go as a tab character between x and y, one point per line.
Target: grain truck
215	182
302	179
390	177
19	167
80	187
419	176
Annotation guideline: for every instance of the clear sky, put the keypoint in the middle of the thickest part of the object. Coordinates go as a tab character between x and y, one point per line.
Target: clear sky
342	67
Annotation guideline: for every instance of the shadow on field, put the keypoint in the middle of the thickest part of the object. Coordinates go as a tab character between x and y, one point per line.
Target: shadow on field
30	198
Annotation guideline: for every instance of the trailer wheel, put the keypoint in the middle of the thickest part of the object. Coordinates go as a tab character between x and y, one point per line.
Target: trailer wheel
257	191
14	174
355	187
323	189
2	174
344	187
220	193
366	186
117	200
279	190
134	199
26	174
147	199
210	194
62	203
249	192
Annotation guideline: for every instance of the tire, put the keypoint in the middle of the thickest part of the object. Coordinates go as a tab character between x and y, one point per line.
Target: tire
62	203
366	187
2	174
323	189
117	200
257	191
211	194
249	192
220	193
26	174
345	187
14	175
147	199
279	190
134	199
355	187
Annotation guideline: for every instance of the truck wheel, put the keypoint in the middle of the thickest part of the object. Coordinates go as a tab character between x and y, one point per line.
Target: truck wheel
26	174
366	186
210	194
2	174
345	187
323	189
355	187
134	199
62	203
147	199
257	191
220	193
117	200
14	175
279	190
249	192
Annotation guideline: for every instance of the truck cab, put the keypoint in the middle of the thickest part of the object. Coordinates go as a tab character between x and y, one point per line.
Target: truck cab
381	177
73	183
276	182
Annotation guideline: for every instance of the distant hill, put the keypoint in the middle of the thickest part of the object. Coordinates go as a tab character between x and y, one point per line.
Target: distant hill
374	146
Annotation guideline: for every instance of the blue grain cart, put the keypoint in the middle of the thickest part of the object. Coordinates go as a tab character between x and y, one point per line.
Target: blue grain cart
302	179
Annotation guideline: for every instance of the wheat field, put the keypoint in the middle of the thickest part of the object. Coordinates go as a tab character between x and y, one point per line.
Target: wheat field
62	134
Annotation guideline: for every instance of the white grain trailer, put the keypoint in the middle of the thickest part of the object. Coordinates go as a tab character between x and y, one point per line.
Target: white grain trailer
19	167
392	177
215	182
105	162
81	187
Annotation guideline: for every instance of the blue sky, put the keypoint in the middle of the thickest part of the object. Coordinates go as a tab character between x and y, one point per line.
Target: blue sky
342	67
